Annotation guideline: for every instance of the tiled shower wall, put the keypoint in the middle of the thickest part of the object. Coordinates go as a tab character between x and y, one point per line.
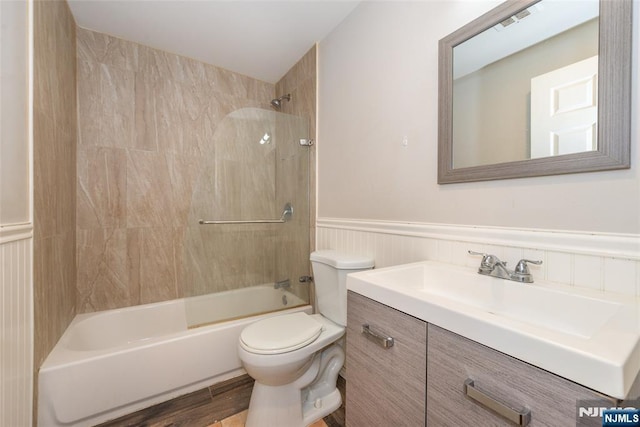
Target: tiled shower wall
300	81
603	262
147	123
54	172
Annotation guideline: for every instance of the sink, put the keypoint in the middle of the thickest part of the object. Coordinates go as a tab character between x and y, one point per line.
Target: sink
569	313
587	336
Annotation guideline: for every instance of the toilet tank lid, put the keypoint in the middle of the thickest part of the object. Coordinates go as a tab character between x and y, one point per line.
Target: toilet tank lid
342	260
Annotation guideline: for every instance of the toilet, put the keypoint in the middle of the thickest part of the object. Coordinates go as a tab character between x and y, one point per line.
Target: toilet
294	358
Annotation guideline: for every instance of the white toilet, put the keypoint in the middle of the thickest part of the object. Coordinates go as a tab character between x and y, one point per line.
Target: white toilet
294	358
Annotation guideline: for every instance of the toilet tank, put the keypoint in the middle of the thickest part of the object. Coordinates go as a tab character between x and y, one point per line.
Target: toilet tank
330	269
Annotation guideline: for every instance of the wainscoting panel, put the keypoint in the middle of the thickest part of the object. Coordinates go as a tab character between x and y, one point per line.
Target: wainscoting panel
16	328
605	262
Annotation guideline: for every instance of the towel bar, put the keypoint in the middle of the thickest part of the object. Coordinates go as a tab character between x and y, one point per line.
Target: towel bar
286	216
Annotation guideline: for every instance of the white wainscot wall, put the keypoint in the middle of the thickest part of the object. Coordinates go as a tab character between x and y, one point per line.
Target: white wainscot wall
606	262
16	326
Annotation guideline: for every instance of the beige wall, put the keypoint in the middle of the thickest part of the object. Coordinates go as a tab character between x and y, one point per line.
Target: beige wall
498	96
155	154
378	82
16	228
54	170
14	157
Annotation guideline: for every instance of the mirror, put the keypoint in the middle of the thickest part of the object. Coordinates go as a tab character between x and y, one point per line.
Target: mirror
536	88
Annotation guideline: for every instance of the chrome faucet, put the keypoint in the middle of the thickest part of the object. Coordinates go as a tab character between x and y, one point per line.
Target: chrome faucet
492	266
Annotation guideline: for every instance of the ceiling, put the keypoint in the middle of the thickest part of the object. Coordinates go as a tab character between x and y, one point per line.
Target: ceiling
547	18
261	39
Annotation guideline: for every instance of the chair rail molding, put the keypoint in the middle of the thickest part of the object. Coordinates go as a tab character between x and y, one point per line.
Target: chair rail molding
15	232
598	261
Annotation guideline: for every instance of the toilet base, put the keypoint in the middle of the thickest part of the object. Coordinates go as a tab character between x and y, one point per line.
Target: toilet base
321	407
311	397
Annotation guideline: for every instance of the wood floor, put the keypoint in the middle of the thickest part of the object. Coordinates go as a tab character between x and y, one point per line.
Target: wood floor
221	405
239	419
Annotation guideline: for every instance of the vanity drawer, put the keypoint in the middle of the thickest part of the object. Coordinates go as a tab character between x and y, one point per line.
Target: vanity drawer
453	359
385	386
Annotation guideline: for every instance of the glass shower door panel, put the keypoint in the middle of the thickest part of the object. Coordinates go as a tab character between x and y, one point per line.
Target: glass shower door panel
252	168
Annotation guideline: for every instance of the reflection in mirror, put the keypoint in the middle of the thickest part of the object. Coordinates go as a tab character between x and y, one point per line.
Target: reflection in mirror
536	88
511	85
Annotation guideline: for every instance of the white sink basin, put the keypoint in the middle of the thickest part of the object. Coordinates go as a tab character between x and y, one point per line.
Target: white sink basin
568	313
589	337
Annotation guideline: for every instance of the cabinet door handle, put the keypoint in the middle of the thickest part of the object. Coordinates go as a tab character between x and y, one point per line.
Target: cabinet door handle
520	417
382	341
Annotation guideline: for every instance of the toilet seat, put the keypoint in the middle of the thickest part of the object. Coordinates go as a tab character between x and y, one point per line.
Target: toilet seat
280	334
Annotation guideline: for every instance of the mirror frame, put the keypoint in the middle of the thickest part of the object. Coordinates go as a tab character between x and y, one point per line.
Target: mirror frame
614	101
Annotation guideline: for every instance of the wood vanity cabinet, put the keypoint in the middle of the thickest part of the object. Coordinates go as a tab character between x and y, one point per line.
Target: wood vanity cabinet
453	359
416	383
385	386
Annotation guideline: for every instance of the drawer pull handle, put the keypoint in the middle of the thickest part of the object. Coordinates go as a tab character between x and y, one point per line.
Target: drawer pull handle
382	341
520	417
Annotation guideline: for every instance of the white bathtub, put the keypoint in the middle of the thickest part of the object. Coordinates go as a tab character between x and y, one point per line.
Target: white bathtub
111	363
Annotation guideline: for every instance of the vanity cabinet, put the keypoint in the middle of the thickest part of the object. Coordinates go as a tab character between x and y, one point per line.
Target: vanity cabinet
447	380
385	386
453	359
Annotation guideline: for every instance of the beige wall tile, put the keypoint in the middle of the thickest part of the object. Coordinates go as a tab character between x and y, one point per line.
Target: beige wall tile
54	291
54	171
306	106
101	197
159	187
155	258
306	67
103	281
164	65
43	173
185	159
201	272
106	105
149	192
172	117
300	82
54	64
54	177
108	50
89	106
227	82
219	258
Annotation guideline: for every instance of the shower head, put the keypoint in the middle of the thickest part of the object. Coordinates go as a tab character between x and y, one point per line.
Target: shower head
277	103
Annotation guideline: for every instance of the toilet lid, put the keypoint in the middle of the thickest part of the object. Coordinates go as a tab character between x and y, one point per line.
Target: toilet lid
280	334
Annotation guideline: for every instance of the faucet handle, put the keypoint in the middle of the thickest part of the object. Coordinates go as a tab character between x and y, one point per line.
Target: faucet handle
522	273
488	262
477	253
523	268
488	259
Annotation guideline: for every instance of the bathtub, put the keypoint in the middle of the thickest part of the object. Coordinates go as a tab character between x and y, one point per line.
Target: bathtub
111	363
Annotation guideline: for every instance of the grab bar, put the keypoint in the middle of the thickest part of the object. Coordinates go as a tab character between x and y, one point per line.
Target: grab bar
286	216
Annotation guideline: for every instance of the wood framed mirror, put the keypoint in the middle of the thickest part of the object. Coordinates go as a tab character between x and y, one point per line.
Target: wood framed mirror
480	125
